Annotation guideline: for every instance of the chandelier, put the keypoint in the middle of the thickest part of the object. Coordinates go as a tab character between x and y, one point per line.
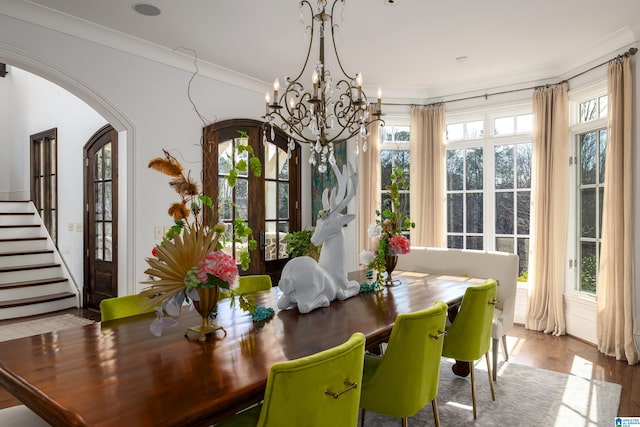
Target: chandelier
332	111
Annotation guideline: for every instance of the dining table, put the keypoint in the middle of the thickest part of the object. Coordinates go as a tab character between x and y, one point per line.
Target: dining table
117	372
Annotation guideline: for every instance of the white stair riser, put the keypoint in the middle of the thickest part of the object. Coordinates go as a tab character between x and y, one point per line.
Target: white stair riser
22	232
34	291
17	219
23	245
14	207
8	261
33	309
26	275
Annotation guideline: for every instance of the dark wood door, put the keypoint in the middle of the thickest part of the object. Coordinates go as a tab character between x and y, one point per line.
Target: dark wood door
44	179
270	204
101	217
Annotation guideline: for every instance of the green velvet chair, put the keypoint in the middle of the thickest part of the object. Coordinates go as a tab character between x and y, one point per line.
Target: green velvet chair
254	283
318	390
119	307
469	336
402	381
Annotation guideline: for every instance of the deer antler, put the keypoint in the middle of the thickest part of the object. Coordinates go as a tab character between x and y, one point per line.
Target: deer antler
340	196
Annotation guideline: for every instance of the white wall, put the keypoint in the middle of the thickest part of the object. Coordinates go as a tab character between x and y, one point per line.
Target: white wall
38	105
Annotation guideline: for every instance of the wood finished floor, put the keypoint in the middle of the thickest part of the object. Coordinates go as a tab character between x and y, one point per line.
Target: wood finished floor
561	354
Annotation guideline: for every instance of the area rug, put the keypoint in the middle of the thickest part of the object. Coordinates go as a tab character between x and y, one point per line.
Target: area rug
525	396
40	326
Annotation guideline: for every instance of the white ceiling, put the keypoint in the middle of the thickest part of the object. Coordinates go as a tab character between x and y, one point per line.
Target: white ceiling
408	48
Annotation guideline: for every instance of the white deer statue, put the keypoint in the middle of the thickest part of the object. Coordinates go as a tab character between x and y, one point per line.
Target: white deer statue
308	284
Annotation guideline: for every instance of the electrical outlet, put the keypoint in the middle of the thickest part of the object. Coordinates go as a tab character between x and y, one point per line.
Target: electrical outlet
157	232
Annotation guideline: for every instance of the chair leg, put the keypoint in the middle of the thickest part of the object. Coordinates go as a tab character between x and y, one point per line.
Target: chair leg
436	417
494	348
404	422
504	347
493	393
473	389
362	411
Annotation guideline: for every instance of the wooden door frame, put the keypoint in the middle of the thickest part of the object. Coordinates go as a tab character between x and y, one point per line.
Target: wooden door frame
50	134
88	240
211	139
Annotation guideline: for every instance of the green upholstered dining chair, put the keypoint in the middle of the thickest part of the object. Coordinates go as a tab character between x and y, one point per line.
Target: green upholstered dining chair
322	389
253	283
405	378
469	336
125	306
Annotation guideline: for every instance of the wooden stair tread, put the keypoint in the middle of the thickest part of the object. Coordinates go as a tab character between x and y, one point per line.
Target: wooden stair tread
36	300
36	282
28	267
34	252
17	213
21	226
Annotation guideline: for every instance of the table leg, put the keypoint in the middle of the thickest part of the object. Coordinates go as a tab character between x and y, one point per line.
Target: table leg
460	368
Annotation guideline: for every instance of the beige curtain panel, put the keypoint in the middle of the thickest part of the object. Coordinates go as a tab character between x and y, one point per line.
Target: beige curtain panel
369	190
615	279
427	175
549	207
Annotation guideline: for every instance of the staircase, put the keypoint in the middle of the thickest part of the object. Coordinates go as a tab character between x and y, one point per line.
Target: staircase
33	278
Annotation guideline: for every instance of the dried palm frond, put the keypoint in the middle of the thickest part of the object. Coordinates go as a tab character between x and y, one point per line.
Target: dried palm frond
178	211
174	259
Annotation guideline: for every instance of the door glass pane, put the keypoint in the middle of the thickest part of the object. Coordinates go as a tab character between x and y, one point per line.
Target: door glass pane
108	238
107	201
99	241
523	165
283	200
225	200
97	174
283	228
523	254
99	207
270	161
242	198
224	157
283	165
244	156
603	153
588	267
52	156
270	240
107	161
270	200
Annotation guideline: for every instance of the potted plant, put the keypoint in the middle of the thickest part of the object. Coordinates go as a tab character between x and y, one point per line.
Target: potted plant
299	244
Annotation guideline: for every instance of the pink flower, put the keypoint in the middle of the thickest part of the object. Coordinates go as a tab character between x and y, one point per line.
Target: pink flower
220	265
400	244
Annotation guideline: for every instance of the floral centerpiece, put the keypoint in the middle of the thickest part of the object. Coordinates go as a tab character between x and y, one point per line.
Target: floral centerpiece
388	231
190	264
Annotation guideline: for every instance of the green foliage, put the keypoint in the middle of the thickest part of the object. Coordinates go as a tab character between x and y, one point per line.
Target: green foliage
524	277
588	274
299	244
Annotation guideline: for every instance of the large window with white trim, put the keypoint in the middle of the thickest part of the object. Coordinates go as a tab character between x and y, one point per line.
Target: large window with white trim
589	129
394	154
488	183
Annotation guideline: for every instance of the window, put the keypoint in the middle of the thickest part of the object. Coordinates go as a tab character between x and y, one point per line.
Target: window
589	123
394	154
489	182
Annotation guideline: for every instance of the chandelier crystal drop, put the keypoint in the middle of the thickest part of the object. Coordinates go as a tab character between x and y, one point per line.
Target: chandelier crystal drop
333	111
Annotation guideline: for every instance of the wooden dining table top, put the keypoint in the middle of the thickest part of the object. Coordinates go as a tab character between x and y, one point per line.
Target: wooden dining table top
117	373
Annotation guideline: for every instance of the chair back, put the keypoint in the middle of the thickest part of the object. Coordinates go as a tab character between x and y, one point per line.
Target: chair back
253	283
469	336
125	306
298	391
406	377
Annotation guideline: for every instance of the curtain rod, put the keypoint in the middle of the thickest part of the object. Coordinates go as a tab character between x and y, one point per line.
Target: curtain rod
632	51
